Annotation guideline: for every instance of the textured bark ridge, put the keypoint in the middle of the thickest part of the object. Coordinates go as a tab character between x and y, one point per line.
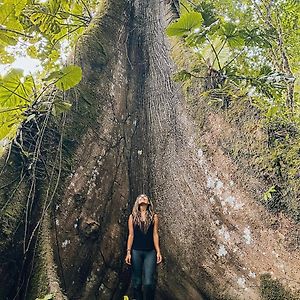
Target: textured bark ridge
131	133
214	238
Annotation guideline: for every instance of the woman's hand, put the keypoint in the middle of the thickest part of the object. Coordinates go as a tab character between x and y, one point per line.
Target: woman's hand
128	259
158	258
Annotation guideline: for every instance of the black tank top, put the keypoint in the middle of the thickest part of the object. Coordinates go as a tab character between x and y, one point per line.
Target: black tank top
141	240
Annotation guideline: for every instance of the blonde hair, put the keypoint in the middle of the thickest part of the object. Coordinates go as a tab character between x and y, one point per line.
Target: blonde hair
136	213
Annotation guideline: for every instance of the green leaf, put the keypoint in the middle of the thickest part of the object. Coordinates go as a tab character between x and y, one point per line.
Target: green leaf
185	7
44	21
8	17
32	51
207	12
54	55
40	27
53	75
54	6
8	130
6	58
15	97
63	32
15	89
229	29
77	9
7	39
268	194
224	53
199	36
195	39
68	77
235	41
182	75
232	35
185	24
60	107
272	111
265	70
256	37
17	5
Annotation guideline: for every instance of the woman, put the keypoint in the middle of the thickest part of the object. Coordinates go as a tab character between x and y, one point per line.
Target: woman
143	247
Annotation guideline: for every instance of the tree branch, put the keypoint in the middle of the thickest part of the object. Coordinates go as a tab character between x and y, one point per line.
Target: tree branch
16	32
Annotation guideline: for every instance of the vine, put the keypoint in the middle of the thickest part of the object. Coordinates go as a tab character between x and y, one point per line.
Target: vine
33	114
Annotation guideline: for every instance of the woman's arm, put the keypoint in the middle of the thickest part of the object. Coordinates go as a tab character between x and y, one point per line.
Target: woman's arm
130	240
156	239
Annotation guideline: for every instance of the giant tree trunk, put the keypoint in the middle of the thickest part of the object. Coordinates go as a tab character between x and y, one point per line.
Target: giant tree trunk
130	132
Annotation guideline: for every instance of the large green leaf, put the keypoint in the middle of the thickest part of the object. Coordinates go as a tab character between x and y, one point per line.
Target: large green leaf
208	13
17	5
8	17
257	37
46	22
232	35
15	97
235	41
185	24
66	78
229	29
15	89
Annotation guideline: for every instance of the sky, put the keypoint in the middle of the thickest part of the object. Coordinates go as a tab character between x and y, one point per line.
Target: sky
28	64
25	62
22	59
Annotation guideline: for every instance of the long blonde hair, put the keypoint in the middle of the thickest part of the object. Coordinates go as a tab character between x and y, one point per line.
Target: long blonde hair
136	213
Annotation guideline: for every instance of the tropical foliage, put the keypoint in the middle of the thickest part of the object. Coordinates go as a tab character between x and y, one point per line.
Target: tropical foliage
244	44
249	50
42	30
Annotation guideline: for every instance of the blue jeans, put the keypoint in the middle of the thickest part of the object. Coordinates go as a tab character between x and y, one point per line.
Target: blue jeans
143	261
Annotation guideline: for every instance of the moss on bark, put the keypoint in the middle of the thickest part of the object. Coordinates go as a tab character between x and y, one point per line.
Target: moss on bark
94	50
44	279
272	289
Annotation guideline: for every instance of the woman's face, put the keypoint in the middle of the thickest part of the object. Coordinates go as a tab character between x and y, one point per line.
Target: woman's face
143	200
